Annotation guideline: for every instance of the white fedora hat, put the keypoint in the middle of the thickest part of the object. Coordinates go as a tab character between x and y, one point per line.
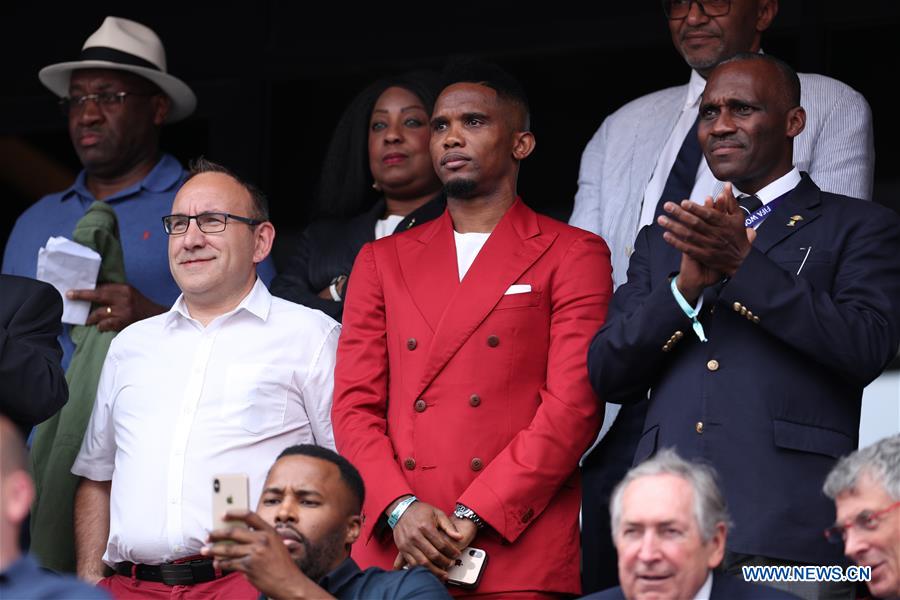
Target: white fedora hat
124	45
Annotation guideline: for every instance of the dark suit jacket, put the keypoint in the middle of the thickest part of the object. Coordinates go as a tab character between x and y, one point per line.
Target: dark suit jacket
724	587
328	248
32	381
774	397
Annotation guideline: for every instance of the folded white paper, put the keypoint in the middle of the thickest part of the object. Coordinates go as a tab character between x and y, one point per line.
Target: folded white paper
518	288
67	265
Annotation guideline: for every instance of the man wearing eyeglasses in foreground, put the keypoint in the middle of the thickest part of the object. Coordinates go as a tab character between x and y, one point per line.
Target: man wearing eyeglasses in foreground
646	153
865	487
219	384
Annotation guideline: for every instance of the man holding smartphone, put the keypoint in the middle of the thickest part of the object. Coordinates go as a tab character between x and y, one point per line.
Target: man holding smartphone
219	384
298	544
461	388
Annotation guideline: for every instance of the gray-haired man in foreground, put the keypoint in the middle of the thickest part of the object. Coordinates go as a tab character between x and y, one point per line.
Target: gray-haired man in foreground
669	525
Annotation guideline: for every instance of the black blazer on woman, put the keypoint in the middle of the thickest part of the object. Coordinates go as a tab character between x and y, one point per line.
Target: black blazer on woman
327	249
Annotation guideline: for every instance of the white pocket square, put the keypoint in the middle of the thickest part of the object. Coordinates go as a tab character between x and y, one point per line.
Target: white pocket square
519	288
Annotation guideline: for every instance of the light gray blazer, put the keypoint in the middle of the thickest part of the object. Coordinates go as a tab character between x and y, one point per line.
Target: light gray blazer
836	149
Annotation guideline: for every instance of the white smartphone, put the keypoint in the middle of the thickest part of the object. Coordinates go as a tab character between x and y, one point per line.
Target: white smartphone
468	568
230	492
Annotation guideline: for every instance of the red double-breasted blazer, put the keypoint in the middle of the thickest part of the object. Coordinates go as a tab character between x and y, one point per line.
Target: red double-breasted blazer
462	392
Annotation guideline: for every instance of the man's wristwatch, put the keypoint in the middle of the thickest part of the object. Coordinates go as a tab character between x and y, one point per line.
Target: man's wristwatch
332	289
464	512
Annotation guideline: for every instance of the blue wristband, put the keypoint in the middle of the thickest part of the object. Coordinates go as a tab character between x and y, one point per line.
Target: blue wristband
688	310
398	512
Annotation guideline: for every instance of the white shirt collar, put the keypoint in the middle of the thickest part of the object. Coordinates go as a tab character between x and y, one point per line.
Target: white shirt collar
257	302
694	91
777	188
705	589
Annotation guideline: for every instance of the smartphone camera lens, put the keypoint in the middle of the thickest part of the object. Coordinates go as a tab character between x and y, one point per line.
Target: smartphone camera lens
216	485
472	553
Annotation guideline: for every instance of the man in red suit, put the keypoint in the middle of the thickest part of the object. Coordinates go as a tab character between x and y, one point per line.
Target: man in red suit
461	388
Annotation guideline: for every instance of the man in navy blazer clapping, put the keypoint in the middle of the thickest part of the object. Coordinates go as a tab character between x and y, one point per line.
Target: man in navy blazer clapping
755	321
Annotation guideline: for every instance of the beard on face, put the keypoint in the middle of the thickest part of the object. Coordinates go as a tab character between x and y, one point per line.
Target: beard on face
460	189
318	558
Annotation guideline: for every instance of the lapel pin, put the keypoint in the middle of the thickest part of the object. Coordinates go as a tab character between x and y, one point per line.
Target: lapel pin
793	220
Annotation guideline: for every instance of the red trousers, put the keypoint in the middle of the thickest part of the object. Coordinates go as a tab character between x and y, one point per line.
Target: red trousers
233	586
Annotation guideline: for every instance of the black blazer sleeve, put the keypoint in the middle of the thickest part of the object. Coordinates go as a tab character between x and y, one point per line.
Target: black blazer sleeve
328	249
626	356
32	382
300	282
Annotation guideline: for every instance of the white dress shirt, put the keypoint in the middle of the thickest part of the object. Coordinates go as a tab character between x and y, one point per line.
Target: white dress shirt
178	403
705	589
775	189
706	184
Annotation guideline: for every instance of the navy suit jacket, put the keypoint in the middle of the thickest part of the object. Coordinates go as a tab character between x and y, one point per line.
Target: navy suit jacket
724	588
810	317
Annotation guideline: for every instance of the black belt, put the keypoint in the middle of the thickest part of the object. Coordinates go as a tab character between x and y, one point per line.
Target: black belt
186	573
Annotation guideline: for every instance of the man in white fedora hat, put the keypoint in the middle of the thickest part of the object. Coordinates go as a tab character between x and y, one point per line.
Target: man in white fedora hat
117	95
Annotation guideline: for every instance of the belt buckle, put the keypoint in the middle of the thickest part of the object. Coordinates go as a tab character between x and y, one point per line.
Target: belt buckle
172	574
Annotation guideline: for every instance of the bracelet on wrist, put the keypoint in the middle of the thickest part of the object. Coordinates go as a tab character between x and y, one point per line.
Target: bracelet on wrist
399	510
689	311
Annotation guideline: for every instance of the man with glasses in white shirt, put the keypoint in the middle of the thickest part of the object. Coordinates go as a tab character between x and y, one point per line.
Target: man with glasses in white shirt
220	383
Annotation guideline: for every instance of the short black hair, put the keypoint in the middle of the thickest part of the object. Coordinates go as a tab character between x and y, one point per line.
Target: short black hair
349	475
790	82
488	74
260	203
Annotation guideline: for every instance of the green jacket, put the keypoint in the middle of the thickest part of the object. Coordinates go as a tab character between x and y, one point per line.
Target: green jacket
58	440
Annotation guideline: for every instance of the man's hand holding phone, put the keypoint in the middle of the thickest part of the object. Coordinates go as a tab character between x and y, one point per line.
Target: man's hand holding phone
426	536
253	547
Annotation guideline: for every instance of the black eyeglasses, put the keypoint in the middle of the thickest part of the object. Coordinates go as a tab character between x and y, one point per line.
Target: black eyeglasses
103	100
868	520
679	9
210	222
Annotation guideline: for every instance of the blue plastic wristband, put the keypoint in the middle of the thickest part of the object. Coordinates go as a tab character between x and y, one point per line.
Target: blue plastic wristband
398	512
688	310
